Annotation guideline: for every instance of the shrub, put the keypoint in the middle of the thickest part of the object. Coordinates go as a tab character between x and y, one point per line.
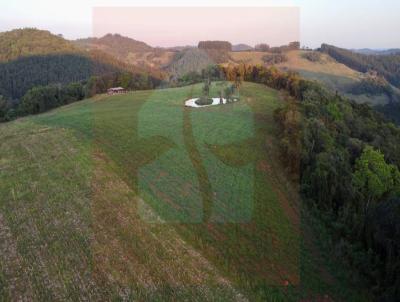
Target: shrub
312	56
43	98
262	47
275	58
229	91
202	101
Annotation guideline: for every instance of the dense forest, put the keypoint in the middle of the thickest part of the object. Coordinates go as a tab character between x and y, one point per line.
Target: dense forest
127	80
349	174
57	65
387	66
43	98
346	160
50	77
18	76
391	111
374	86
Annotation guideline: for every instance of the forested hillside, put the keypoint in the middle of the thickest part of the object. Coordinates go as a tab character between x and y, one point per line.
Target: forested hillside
386	65
391	111
381	52
346	160
30	41
32	57
46	71
18	76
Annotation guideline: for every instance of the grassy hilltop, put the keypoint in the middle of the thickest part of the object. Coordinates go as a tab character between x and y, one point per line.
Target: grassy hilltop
135	196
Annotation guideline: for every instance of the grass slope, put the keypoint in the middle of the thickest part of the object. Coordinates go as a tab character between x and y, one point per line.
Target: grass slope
137	197
296	61
327	71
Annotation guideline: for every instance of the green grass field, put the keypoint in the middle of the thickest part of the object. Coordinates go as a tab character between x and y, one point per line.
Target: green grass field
135	197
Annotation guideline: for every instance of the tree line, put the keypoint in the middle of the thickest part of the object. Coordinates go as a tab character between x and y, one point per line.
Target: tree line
345	157
387	66
25	80
46	97
18	76
220	45
263	47
130	81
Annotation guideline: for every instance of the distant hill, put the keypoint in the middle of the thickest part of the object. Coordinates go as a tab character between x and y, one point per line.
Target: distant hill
115	44
297	61
326	70
219	45
242	47
31	57
135	53
368	51
387	66
30	41
192	59
179	48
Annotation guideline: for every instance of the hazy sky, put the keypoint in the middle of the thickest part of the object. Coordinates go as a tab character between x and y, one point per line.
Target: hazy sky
185	26
347	23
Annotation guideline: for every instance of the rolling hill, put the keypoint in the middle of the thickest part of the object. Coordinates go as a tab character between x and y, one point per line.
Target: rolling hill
23	61
328	71
115	44
30	41
385	65
32	57
129	51
296	61
136	197
382	52
141	198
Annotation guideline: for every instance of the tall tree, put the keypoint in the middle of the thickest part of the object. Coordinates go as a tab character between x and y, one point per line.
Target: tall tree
374	178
